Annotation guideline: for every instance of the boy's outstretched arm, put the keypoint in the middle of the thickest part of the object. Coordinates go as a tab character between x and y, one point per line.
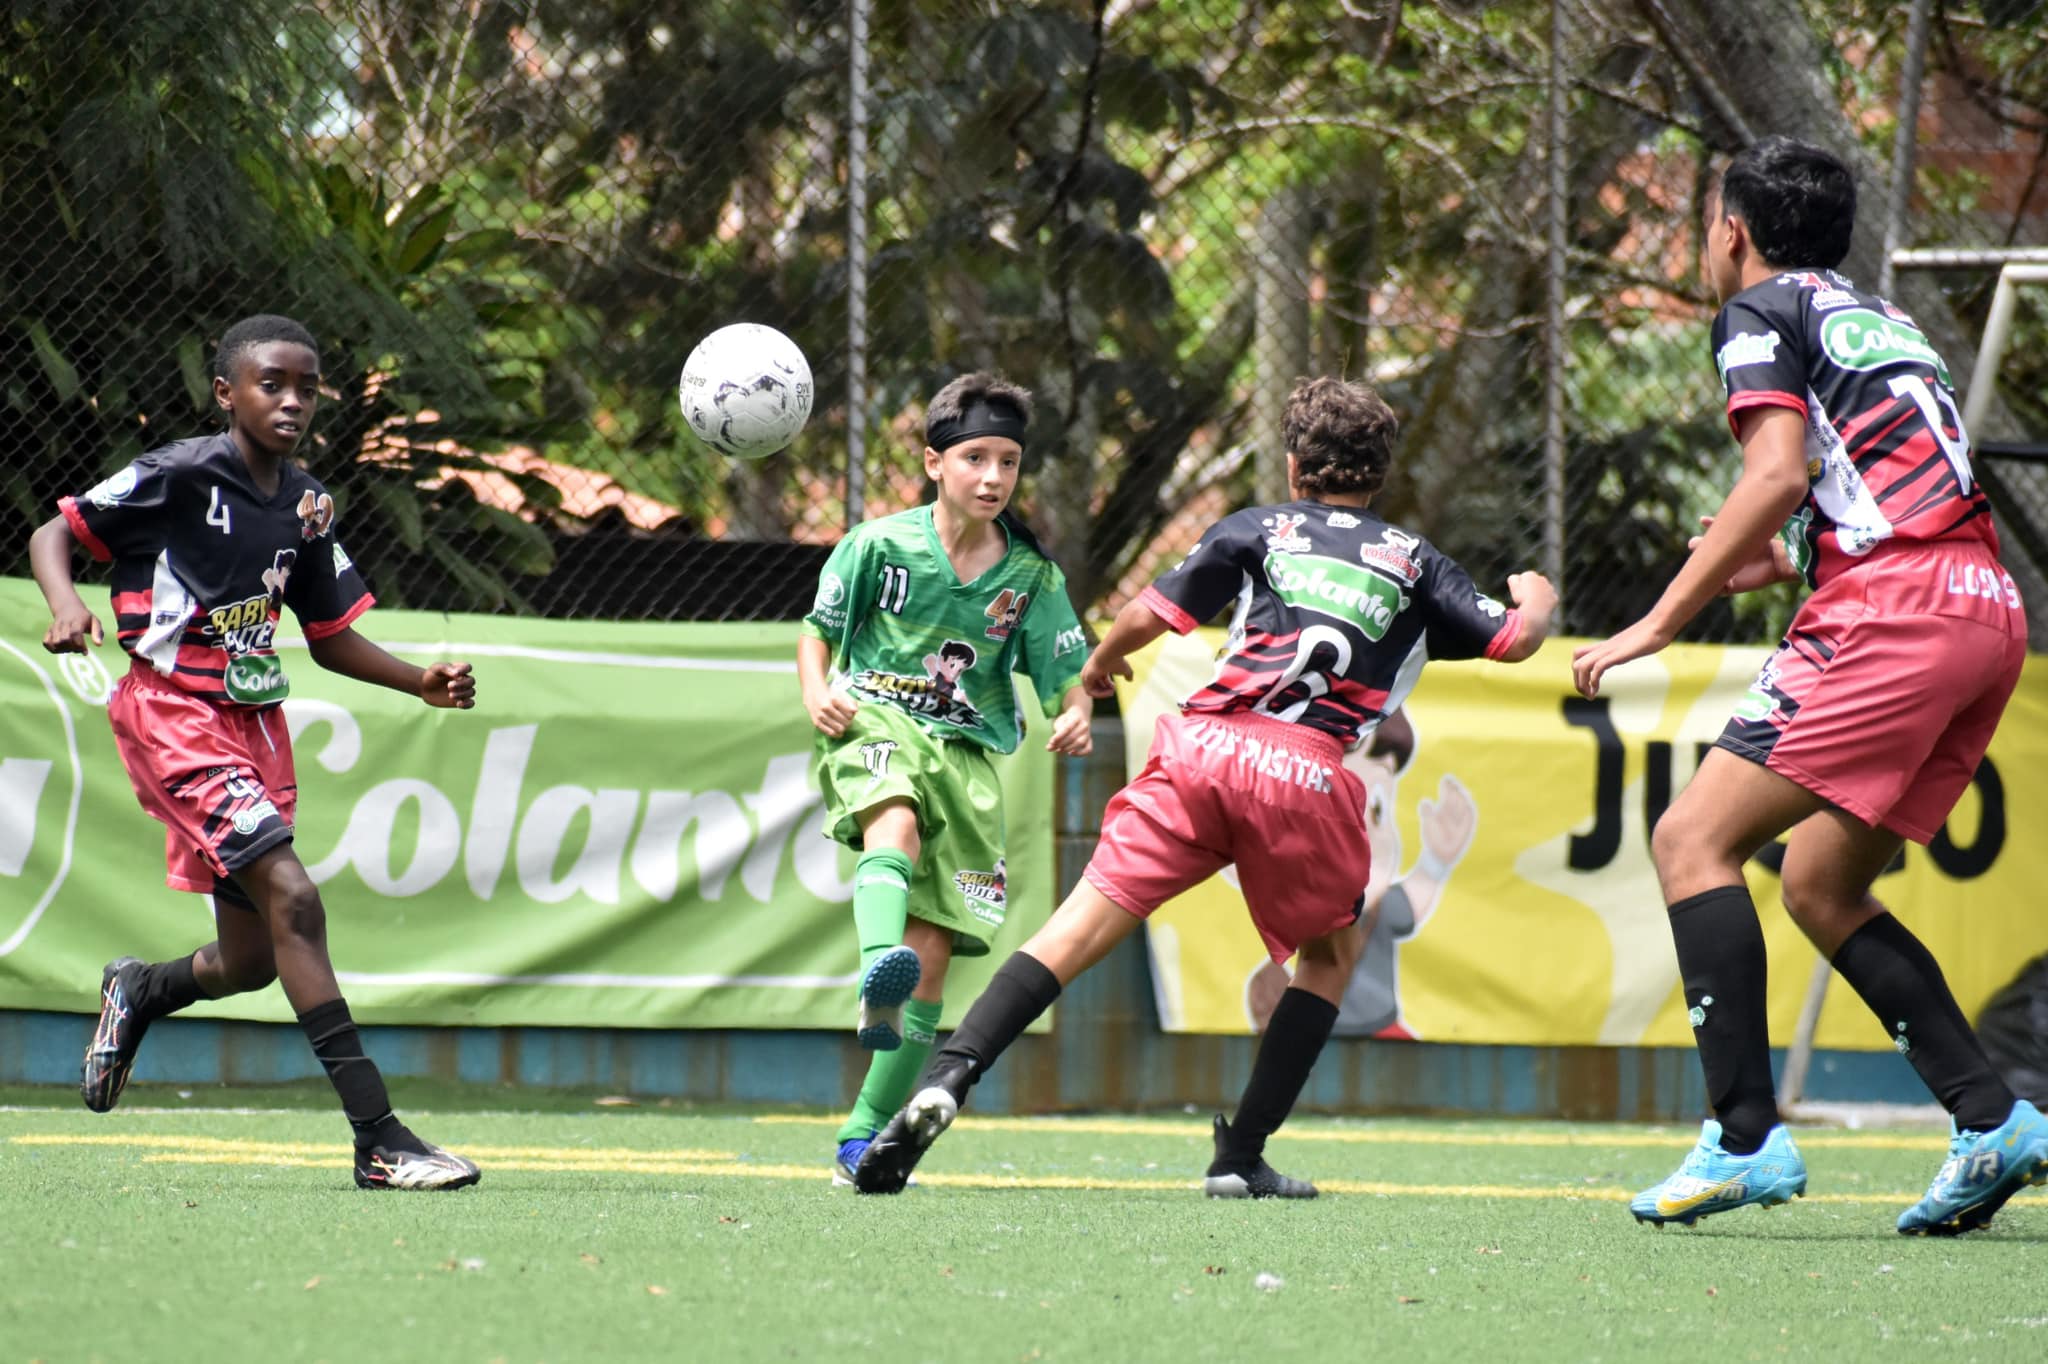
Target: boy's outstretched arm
71	620
1772	485
1536	600
1134	627
449	685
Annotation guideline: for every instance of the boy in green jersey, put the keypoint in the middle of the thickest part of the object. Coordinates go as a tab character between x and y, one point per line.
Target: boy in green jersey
905	661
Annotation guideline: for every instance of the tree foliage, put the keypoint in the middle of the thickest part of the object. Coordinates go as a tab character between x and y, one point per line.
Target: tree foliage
510	220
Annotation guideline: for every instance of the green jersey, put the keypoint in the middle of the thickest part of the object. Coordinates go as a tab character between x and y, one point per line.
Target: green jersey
906	632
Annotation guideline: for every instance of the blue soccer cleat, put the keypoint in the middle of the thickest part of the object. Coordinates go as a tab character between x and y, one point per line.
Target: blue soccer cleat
884	986
848	1160
1982	1171
1711	1180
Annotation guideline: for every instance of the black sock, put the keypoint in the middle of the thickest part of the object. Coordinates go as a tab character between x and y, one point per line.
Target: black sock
1294	1037
1901	982
355	1077
166	987
1021	989
1721	959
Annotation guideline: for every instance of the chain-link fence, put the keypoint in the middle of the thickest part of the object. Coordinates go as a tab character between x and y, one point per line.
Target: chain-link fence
509	221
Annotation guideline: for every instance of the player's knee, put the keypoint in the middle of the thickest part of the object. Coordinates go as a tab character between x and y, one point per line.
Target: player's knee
1335	953
296	912
1811	904
1672	843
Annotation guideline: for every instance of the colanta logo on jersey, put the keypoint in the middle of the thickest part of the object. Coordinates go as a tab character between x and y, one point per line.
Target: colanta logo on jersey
1867	340
245	631
1332	587
1342	520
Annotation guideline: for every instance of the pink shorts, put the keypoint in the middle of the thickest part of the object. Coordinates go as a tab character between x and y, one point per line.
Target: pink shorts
219	778
1889	684
1273	797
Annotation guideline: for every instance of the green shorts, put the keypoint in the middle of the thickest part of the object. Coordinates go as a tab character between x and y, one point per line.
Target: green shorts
885	755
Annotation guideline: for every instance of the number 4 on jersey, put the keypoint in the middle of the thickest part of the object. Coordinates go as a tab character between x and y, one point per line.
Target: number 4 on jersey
217	513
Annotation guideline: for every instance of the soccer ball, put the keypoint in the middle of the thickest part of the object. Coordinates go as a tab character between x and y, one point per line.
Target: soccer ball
746	390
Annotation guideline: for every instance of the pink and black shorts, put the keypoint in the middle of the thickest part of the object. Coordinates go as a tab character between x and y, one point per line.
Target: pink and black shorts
1885	692
1274	798
219	778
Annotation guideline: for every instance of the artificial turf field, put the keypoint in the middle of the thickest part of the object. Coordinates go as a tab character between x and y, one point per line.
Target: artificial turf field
224	1226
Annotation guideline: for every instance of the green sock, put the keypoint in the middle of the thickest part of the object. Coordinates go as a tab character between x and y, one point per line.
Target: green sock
892	1074
881	902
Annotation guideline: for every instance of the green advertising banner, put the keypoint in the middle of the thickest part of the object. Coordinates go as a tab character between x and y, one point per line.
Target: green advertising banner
621	834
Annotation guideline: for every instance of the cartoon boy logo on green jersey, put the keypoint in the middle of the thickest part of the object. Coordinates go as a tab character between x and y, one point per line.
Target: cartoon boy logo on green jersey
937	694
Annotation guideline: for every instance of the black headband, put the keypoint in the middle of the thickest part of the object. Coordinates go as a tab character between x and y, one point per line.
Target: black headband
980	417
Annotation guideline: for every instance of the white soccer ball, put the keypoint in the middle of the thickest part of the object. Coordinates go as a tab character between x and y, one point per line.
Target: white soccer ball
746	390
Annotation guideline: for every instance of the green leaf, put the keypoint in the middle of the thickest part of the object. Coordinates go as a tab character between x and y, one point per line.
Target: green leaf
487	591
58	369
402	505
197	374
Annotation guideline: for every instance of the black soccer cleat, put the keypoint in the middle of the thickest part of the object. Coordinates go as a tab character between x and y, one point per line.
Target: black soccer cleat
1231	1176
383	1167
111	1054
886	1165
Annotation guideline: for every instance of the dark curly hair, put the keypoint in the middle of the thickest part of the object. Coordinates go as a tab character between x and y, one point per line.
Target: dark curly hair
1341	435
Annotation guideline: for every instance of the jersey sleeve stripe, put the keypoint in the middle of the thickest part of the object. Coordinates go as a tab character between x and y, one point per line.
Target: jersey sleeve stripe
76	520
1177	620
1504	638
321	629
1763	398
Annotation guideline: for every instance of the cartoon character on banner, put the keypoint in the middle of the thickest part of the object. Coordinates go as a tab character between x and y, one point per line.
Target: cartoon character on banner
1396	906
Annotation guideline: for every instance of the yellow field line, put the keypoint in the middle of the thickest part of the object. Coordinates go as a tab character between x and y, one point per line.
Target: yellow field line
217	1152
286	1149
1394	1136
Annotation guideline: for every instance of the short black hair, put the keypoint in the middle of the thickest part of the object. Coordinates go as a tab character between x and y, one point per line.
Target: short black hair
958	648
252	332
955	398
1341	435
1798	201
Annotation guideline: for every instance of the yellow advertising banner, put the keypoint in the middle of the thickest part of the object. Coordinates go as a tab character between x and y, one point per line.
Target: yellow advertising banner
1511	862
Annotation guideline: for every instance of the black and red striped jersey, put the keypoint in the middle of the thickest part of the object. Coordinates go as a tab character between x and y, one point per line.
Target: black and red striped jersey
204	562
1336	613
1886	454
